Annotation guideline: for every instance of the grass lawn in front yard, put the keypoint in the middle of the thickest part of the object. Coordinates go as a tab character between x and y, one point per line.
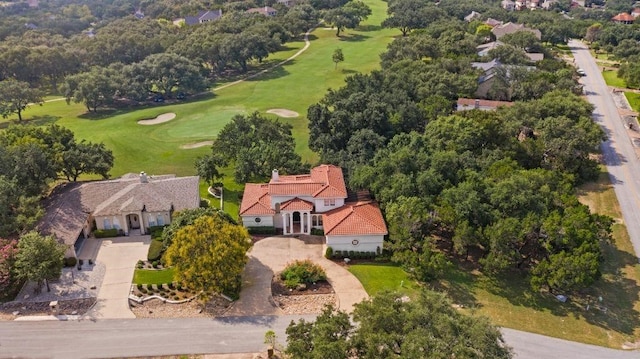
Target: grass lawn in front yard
612	79
147	276
377	277
634	100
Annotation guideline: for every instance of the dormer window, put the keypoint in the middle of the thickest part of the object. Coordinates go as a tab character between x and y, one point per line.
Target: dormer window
330	202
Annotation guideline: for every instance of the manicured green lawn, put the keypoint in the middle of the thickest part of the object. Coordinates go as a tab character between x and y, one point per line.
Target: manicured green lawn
612	79
377	277
146	276
634	100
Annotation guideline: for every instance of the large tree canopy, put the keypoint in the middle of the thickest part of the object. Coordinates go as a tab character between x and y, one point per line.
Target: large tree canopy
348	16
209	255
16	96
389	327
256	145
39	258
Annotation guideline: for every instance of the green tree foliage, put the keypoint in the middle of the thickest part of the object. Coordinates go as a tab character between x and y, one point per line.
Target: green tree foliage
407	15
390	327
8	251
165	74
16	96
256	145
209	255
302	272
348	16
630	72
18	212
187	217
94	88
39	258
337	56
85	158
208	168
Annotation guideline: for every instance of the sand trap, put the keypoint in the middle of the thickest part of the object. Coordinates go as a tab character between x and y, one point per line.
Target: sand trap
165	117
283	112
189	146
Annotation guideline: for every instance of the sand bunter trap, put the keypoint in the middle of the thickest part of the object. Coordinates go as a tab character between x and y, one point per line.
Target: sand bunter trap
165	117
283	112
189	146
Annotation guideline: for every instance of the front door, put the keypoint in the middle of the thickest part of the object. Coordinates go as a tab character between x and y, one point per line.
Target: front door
134	221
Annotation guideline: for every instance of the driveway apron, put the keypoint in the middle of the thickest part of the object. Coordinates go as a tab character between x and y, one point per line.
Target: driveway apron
271	255
120	256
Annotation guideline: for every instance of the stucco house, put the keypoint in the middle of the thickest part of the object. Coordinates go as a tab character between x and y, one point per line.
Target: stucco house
130	204
318	200
266	11
510	28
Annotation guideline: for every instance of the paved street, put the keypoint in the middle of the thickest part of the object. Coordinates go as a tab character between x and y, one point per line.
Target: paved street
619	154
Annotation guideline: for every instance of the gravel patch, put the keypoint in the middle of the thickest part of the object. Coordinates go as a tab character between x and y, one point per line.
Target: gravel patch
13	310
304	304
73	284
156	308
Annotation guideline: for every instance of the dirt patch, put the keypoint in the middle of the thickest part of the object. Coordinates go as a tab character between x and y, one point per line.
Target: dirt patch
165	117
156	308
283	112
308	301
190	146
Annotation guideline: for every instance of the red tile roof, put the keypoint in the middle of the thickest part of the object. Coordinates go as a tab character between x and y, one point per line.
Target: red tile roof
623	17
361	218
256	200
324	181
296	204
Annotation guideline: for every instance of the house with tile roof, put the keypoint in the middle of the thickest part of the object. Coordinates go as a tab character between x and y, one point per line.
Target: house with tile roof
317	200
623	18
130	204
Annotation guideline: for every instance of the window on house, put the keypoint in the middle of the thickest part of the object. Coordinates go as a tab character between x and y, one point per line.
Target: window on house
161	220
116	223
330	202
106	223
152	221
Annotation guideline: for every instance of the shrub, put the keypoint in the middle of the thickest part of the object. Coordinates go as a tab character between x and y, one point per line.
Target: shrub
317	232
302	272
139	287
378	250
338	254
105	233
80	262
154	264
70	261
261	230
155	251
175	297
352	254
172	286
329	253
90	262
156	231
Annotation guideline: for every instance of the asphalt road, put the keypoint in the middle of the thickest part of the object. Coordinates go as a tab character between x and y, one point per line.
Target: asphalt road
618	152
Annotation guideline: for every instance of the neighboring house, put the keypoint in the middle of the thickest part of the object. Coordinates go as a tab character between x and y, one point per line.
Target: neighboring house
483	50
287	3
472	16
318	200
510	28
131	204
493	22
635	12
200	18
548	4
466	104
623	18
266	11
490	71
139	14
508	5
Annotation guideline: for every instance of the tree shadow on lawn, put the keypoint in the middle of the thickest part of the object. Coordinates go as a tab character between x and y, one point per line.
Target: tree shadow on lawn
33	120
349	71
274	73
458	285
353	37
370	27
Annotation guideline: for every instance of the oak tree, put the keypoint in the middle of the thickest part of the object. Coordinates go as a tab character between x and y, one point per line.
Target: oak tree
39	259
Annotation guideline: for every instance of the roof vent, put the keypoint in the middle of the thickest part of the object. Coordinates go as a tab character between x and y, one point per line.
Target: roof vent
275	177
143	177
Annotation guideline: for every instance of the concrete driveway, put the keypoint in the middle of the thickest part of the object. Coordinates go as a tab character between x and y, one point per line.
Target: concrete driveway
271	255
120	256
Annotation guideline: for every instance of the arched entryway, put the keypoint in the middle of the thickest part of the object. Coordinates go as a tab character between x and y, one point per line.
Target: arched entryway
133	220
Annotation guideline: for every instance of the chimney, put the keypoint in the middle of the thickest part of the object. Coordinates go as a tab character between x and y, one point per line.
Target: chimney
477	104
275	177
143	177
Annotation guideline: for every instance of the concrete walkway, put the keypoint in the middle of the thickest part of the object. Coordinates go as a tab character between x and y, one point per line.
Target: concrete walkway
271	255
120	256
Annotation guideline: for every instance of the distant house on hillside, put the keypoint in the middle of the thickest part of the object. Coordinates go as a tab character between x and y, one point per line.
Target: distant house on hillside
139	14
287	3
200	18
635	12
466	104
472	16
623	18
266	11
508	5
510	28
130	204
317	200
548	4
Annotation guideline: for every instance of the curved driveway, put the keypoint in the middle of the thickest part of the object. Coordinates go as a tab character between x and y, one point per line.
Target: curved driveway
271	255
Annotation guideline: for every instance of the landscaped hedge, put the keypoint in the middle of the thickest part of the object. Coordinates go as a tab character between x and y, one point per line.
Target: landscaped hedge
353	255
106	233
155	251
262	230
317	232
302	272
70	261
155	231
